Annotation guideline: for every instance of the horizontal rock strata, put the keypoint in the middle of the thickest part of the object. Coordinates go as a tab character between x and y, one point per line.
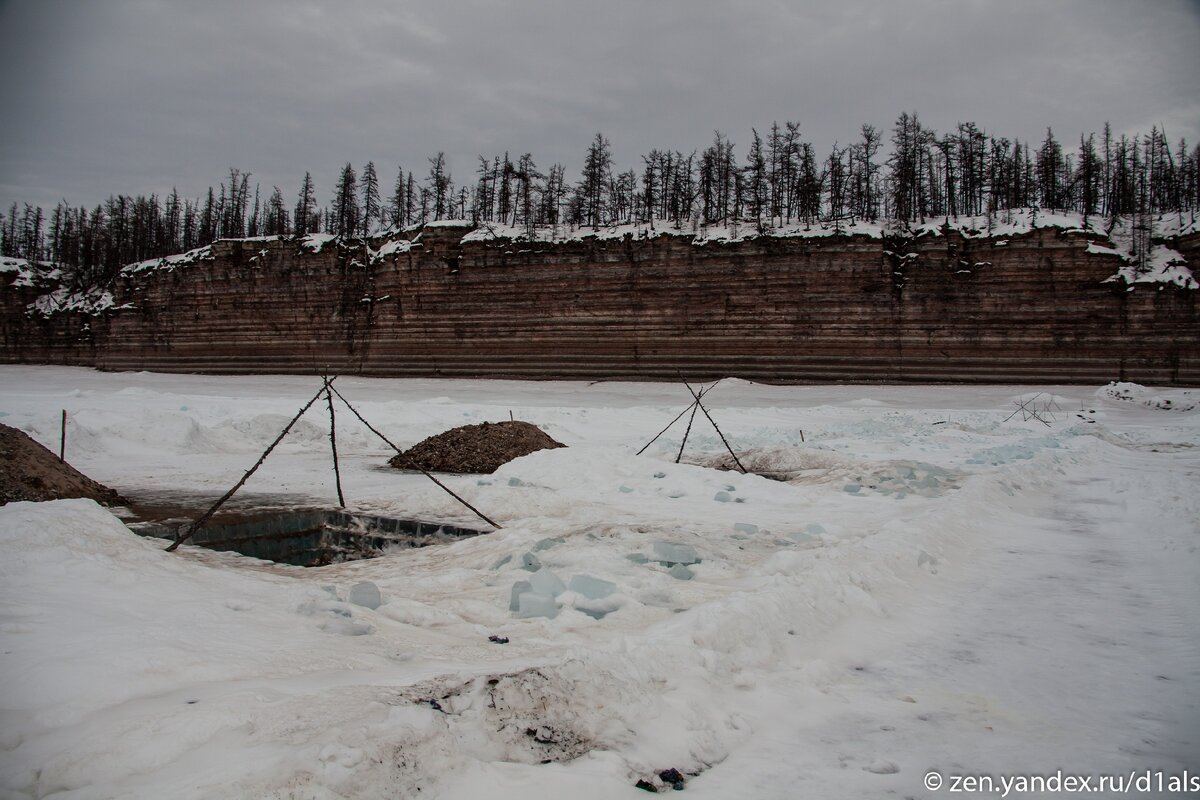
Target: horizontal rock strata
1034	307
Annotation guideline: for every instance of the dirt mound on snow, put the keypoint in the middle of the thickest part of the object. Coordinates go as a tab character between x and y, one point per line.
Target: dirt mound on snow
29	471
476	448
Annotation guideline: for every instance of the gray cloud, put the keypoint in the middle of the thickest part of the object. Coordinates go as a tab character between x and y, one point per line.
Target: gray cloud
137	96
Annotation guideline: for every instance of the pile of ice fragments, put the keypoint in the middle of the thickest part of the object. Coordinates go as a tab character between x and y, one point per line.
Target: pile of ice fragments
545	593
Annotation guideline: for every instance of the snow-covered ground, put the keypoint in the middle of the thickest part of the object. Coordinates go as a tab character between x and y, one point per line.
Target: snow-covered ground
938	586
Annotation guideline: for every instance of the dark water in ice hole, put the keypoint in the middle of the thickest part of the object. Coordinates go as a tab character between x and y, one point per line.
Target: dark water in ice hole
304	536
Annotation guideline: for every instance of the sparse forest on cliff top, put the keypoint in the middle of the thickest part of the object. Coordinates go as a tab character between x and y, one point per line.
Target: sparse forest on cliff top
779	182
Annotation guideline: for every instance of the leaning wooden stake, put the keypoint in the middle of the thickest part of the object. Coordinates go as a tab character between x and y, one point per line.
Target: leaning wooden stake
714	424
687	433
414	464
195	526
62	441
672	422
337	474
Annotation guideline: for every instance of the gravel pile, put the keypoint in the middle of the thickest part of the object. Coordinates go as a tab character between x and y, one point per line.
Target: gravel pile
476	448
29	471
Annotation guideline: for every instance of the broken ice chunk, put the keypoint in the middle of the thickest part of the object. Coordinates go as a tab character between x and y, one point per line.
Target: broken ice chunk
599	609
365	594
546	544
625	489
670	553
681	572
722	497
546	582
852	488
637	558
515	482
530	562
591	588
594	613
518	589
745	527
535	604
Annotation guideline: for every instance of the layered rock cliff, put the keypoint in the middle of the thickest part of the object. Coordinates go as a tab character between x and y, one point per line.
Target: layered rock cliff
1036	306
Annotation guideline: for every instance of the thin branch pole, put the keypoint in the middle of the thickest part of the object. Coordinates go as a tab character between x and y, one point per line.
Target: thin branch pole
664	430
195	526
687	433
414	464
62	441
337	474
714	423
1022	406
672	422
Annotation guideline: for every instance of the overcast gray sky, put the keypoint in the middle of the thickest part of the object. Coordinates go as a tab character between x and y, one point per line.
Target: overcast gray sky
99	97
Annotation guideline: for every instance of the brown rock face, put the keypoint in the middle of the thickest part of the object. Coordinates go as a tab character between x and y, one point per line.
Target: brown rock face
29	471
476	448
1034	307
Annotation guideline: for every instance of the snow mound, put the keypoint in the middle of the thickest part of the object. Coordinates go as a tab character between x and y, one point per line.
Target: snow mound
1171	400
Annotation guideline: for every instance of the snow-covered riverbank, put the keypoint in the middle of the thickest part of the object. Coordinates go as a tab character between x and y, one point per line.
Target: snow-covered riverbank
936	587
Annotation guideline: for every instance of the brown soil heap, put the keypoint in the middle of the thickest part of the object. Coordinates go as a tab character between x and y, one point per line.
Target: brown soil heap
29	471
476	448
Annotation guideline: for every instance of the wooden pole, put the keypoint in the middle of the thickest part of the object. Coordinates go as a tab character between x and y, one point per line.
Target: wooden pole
672	422
686	433
414	464
714	423
337	474
207	515
62	439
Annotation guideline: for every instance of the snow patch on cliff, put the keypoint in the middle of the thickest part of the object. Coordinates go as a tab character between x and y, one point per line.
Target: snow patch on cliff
1010	222
316	242
388	249
25	273
90	302
1161	266
169	263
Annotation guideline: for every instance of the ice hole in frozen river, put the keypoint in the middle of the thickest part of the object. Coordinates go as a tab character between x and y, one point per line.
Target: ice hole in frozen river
311	537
